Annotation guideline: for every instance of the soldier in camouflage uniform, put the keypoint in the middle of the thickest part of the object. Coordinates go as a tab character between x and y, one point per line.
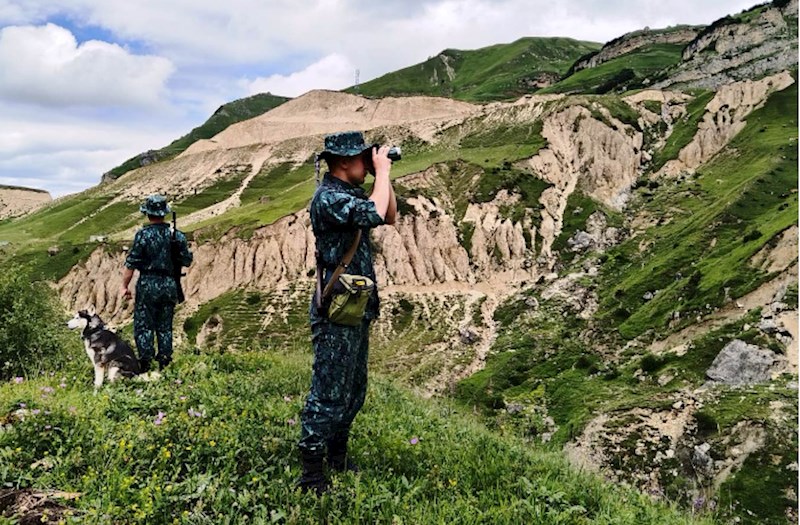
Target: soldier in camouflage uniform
156	290
339	208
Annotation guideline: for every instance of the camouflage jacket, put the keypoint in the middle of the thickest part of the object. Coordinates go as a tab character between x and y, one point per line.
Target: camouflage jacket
338	210
150	251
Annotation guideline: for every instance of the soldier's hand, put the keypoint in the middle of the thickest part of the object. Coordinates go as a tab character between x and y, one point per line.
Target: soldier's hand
125	292
380	160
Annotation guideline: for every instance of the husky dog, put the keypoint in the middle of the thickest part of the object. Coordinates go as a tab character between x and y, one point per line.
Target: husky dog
107	351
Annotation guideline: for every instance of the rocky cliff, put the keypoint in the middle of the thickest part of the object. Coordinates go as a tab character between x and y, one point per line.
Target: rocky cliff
753	44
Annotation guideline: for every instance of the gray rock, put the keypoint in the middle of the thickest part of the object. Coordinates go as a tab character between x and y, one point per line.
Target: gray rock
702	460
468	337
768	326
514	408
531	302
581	241
741	364
778	307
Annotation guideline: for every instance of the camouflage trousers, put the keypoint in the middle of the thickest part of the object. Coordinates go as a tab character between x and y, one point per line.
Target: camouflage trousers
338	383
156	296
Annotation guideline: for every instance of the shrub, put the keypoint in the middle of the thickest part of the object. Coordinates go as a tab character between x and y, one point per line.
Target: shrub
32	330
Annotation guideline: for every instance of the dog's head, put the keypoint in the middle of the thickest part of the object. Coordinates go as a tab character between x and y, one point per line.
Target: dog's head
84	319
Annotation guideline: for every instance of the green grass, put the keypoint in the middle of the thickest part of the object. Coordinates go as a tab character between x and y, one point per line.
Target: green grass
237	462
496	72
53	220
44	266
624	72
216	193
113	218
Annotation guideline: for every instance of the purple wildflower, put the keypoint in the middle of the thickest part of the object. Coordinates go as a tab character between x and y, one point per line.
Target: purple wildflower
195	413
48	389
414	440
72	410
698	503
19	380
62	385
22	405
36	411
159	418
291	421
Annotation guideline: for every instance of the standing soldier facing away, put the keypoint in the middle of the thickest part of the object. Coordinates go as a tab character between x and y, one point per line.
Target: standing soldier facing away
156	289
340	209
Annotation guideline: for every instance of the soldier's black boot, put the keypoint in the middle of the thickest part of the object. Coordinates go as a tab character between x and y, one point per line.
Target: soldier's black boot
338	459
313	477
163	361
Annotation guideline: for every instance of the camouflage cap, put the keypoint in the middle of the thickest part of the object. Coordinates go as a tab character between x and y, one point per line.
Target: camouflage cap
345	144
155	205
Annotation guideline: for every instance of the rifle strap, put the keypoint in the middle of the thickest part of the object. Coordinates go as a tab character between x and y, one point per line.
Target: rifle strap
345	262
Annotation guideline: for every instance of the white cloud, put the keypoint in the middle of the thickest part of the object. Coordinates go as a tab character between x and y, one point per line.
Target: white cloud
332	72
64	153
45	65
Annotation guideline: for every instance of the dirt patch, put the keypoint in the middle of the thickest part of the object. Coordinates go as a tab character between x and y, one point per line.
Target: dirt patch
19	201
779	257
34	507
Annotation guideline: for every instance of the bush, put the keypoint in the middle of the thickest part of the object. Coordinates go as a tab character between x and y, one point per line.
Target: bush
32	330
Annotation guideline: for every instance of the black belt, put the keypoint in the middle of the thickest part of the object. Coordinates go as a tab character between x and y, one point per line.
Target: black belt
163	273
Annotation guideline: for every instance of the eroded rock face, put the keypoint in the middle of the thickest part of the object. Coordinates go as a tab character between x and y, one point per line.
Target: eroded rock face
585	152
725	116
421	249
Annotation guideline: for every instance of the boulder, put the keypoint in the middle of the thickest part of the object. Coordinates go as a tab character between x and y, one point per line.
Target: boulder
740	363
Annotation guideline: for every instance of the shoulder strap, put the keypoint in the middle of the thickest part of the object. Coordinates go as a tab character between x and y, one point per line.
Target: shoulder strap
342	266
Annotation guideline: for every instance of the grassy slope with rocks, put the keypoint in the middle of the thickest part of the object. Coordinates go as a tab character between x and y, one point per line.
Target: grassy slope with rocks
711	225
224	116
496	72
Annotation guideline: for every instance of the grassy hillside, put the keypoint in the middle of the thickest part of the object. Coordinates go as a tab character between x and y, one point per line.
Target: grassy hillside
214	442
224	116
624	72
496	72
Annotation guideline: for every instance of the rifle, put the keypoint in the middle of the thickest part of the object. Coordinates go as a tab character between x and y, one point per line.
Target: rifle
175	256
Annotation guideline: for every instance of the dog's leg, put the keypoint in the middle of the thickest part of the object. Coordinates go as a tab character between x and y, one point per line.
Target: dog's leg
99	372
113	374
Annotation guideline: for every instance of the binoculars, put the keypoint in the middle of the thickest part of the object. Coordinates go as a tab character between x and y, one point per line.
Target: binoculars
394	154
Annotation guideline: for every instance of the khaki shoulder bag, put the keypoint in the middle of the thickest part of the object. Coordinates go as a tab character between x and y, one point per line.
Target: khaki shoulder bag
348	293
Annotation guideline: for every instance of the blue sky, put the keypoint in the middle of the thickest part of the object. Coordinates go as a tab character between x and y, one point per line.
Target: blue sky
87	84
